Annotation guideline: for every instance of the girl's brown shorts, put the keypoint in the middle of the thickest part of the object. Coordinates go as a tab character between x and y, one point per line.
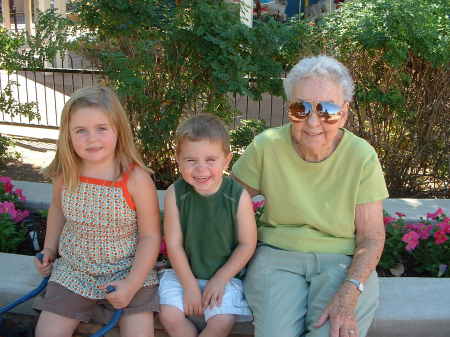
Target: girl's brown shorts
59	300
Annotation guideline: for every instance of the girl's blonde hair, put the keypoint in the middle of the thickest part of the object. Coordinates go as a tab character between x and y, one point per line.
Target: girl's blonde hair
66	162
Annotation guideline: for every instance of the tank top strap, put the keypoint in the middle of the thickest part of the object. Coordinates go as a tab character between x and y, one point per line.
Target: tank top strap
123	182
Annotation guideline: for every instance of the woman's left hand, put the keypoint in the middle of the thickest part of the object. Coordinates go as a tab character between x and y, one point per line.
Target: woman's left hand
341	313
122	296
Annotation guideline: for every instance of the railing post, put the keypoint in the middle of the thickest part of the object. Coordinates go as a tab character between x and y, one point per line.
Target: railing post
28	16
6	13
60	5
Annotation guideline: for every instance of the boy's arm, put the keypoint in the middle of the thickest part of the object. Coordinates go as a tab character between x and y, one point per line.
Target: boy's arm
143	191
177	256
55	224
246	230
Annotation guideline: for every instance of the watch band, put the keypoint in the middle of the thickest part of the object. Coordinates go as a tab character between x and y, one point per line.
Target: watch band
359	285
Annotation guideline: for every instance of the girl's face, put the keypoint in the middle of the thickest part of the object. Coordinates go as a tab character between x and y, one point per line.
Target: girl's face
202	164
93	136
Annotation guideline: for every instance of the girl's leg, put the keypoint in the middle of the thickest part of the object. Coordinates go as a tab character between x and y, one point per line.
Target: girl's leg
137	325
54	325
176	323
218	326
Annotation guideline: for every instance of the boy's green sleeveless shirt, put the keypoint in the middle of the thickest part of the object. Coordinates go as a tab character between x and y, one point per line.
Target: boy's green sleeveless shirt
209	225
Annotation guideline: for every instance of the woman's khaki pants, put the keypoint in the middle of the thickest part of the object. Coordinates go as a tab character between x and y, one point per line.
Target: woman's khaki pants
288	292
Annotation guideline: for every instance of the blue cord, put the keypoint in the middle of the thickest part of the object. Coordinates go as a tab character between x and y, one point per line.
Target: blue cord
31	294
111	324
25	298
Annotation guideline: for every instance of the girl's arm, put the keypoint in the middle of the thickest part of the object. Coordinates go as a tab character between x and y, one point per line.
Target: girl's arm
213	293
55	224
143	191
173	236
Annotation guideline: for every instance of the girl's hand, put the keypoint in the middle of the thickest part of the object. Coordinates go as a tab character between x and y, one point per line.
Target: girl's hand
193	301
45	267
122	296
213	293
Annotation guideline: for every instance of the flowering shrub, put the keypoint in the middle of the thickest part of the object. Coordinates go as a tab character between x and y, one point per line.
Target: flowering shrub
258	207
417	249
11	215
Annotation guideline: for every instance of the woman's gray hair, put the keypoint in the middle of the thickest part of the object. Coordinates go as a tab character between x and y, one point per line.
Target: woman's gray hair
320	66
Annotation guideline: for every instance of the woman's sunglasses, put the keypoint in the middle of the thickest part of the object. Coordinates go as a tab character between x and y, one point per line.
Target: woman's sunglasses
327	111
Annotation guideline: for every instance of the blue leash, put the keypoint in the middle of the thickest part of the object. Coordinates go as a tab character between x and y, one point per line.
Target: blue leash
111	324
31	294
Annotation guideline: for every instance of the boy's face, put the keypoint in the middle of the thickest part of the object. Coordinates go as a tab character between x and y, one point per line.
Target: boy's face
202	164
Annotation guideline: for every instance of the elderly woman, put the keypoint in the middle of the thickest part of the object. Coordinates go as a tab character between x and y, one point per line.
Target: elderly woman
322	235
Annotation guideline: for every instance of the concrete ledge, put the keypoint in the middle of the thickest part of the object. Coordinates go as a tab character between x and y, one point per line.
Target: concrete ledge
39	197
409	307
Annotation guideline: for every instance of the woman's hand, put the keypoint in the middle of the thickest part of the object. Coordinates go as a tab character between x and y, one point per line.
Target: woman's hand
45	267
341	313
192	301
213	293
122	296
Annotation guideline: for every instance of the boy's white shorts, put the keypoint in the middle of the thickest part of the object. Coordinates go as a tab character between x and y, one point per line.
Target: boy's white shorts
233	301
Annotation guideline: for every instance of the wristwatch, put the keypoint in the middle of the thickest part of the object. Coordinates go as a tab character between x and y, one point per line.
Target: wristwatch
359	285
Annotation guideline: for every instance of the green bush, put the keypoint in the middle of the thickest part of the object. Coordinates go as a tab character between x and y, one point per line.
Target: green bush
243	135
168	61
398	52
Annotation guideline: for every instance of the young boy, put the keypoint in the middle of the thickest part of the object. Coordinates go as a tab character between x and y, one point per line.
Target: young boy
210	233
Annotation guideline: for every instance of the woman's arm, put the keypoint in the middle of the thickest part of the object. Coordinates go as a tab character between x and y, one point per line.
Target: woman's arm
370	236
246	230
55	224
173	236
143	191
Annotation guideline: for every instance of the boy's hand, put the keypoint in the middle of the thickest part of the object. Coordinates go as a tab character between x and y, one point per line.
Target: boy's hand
213	293
45	267
122	296
193	301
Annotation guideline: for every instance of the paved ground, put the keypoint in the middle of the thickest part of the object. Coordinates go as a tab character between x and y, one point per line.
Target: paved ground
37	148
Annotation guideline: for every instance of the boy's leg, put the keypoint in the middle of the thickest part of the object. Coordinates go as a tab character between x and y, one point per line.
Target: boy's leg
171	314
54	325
218	326
137	325
175	322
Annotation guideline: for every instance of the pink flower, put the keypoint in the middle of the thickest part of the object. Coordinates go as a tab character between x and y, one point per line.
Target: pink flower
444	226
388	219
440	237
163	248
20	215
400	214
8	207
425	232
411	239
434	215
7	184
257	205
19	193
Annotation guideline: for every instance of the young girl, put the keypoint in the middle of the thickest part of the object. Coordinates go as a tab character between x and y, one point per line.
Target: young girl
103	221
210	233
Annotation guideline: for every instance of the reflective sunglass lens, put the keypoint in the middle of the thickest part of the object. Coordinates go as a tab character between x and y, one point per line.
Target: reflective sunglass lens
329	108
298	110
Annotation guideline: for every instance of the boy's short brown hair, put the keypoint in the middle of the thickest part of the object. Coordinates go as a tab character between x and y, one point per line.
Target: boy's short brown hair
203	127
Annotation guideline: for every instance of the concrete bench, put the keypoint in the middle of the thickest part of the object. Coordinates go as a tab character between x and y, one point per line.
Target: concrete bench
412	307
